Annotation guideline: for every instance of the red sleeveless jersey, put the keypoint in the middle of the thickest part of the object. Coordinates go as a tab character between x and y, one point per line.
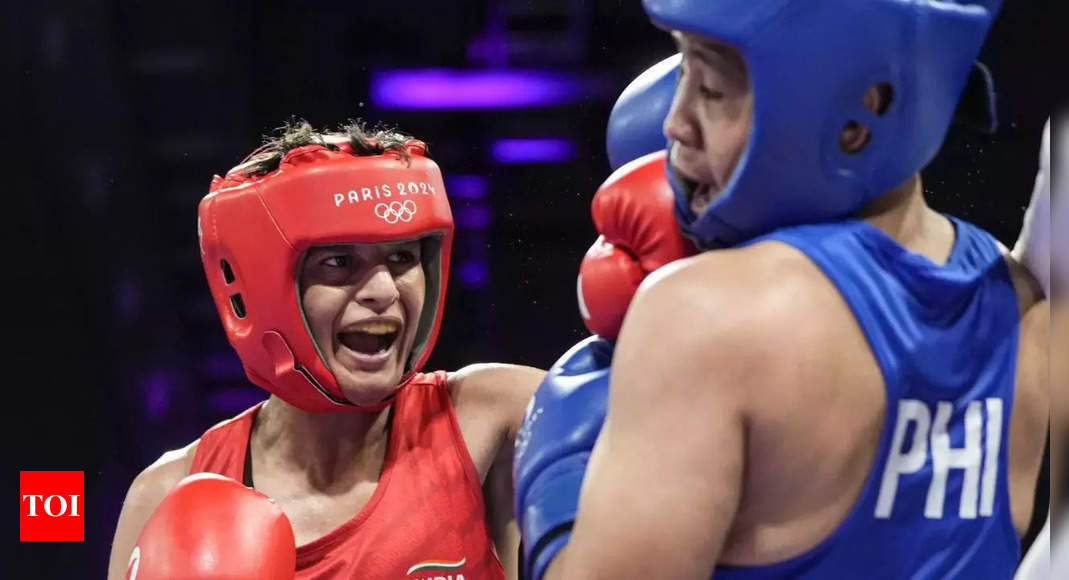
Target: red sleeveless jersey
425	519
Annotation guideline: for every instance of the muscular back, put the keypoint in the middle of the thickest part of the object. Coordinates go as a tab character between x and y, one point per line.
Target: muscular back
814	431
813	436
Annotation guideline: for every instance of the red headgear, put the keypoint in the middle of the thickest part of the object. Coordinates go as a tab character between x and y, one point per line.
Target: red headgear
254	231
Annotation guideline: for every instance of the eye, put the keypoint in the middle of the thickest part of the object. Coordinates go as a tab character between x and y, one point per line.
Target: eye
336	261
710	94
705	92
401	258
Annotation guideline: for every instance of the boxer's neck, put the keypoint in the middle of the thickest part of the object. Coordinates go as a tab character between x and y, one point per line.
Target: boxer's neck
328	448
905	217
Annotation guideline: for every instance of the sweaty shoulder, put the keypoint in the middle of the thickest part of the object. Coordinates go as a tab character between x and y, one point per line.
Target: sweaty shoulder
146	492
157	479
760	336
494	390
763	302
489	400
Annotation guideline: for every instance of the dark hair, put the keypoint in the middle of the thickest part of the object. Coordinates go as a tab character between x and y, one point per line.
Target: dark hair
297	132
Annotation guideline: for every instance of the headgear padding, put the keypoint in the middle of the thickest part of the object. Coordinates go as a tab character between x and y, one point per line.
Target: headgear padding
637	118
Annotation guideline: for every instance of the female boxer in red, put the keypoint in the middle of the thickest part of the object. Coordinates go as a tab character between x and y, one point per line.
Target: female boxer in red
327	256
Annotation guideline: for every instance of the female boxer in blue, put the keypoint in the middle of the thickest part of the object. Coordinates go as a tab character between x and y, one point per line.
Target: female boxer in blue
857	389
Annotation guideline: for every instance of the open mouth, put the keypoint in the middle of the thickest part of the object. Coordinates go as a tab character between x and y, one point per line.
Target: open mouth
699	195
372	337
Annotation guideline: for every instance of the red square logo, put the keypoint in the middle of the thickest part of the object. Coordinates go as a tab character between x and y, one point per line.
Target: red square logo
51	505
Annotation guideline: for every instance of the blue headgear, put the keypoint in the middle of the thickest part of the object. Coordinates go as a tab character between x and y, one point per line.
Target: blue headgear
636	123
638	115
810	63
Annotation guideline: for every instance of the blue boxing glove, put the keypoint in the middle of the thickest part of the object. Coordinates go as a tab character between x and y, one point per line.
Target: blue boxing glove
552	449
637	118
565	416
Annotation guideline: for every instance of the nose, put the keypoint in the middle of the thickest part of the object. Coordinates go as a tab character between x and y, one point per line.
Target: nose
680	125
378	290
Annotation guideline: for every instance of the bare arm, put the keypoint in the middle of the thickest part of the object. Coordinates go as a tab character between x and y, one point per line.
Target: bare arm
499	393
665	477
498	492
145	493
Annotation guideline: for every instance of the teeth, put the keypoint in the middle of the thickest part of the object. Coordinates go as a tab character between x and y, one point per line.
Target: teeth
377	327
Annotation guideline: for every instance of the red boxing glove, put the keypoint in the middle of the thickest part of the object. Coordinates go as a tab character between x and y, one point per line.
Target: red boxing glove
212	528
634	211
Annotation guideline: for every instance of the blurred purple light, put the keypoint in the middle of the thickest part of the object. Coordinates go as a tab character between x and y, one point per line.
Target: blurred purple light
235	399
473	218
158	396
474	274
222	365
467	186
451	89
549	150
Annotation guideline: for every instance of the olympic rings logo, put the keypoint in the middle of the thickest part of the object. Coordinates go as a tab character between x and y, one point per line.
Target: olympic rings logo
396	211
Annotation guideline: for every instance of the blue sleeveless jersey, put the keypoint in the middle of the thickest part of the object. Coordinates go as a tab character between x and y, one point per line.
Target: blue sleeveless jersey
936	502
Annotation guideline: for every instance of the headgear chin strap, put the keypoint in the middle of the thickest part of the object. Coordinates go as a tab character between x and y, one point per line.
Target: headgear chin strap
810	64
254	231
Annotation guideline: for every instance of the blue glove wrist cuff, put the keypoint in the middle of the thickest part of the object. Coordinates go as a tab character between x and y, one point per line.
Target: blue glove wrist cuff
549	511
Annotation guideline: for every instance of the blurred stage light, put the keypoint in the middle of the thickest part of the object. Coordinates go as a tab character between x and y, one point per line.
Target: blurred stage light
472	218
474	273
467	186
452	89
547	150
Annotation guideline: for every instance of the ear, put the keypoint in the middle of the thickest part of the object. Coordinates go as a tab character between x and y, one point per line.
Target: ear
854	137
878	98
